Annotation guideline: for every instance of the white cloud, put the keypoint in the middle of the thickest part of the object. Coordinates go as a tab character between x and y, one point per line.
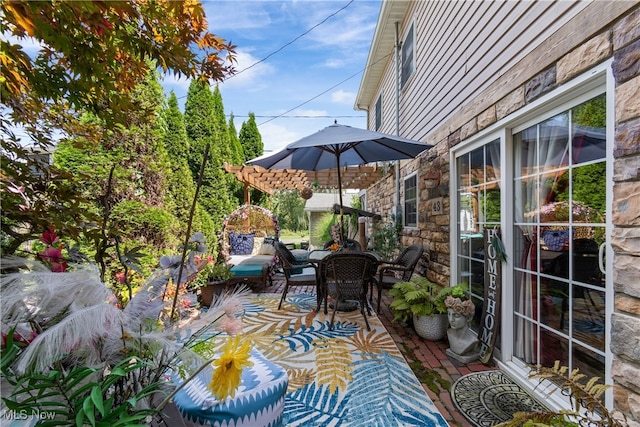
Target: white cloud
309	113
343	97
245	15
334	63
250	76
275	136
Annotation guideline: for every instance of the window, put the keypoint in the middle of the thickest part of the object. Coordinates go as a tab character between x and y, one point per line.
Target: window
478	205
411	201
379	112
408	60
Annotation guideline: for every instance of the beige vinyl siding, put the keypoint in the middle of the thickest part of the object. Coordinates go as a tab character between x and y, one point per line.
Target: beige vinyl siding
388	103
476	43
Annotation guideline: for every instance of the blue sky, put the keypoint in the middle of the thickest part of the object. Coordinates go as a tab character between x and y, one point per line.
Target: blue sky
316	62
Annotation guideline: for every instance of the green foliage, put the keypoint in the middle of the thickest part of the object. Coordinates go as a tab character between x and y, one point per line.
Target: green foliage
385	239
203	129
322	229
135	220
592	113
237	152
421	297
588	182
587	407
182	187
430	377
250	138
36	195
80	395
175	140
288	207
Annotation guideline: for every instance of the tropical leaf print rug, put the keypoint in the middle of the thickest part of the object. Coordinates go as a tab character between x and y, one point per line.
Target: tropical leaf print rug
345	377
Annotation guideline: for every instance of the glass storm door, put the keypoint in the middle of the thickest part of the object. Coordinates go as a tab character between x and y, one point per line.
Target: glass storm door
478	193
559	233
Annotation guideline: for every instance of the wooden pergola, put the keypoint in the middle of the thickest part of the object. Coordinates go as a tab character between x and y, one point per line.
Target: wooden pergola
270	180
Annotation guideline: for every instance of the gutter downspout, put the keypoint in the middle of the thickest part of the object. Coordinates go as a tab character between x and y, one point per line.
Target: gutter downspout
397	65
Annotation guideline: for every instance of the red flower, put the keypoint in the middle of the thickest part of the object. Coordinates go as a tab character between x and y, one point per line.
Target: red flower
120	277
49	237
53	256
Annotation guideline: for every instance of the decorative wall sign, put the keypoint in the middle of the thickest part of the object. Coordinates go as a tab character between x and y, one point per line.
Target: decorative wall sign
492	290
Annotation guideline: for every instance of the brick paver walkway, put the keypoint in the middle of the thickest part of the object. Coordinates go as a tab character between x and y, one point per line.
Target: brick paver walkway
427	358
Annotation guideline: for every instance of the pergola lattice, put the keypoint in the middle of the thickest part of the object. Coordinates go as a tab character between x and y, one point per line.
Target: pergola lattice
270	180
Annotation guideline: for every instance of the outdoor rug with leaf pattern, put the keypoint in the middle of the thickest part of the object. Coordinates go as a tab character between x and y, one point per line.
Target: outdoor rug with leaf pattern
345	377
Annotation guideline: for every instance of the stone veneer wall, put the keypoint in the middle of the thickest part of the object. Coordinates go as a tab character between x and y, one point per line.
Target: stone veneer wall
622	42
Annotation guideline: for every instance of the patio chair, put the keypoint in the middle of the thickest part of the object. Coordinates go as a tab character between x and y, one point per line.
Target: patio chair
402	269
294	273
346	276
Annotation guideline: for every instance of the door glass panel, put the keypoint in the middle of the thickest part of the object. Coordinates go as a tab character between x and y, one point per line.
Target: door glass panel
560	205
479	207
588	310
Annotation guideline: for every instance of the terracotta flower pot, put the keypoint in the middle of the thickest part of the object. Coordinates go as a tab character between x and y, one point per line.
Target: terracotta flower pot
208	291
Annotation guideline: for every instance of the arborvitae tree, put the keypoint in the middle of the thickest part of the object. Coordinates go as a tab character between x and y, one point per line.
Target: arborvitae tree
252	145
238	158
224	145
176	142
251	139
237	152
133	203
181	185
200	123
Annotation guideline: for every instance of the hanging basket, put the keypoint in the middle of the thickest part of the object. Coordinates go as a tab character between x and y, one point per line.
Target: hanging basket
306	193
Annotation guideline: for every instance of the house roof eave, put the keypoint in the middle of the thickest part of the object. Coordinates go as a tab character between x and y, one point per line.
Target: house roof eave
382	46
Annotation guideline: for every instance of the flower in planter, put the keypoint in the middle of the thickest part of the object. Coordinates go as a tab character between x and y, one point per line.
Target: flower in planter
464	307
228	367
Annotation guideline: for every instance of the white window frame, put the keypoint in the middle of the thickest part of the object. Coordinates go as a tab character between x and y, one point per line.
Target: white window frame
404	205
572	93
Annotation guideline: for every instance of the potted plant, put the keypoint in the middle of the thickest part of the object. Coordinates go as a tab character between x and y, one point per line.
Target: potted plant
385	239
422	301
216	276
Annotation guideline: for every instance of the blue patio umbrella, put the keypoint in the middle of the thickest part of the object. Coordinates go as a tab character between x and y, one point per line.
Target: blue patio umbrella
340	145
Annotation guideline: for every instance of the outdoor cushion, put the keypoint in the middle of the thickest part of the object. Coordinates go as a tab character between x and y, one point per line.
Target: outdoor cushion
245	270
259	401
241	244
257	245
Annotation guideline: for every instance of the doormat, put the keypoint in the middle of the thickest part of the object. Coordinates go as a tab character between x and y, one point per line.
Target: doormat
490	397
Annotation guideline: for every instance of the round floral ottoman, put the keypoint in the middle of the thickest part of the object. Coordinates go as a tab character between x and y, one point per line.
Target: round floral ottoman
259	401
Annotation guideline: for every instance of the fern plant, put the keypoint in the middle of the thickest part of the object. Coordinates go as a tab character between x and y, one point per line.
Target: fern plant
421	297
585	395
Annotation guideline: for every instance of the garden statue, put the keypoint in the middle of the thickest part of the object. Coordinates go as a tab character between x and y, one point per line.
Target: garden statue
463	343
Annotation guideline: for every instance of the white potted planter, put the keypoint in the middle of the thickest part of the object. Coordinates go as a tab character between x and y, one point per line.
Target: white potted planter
431	328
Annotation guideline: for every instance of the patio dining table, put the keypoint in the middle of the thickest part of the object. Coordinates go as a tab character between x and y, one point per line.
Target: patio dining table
316	257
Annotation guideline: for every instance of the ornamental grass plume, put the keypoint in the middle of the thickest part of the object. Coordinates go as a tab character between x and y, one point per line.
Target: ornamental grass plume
228	367
78	325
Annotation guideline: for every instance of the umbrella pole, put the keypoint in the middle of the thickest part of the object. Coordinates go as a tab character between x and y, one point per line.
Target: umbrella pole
340	197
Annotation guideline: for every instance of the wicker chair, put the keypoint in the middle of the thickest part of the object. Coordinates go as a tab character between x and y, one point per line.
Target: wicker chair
403	266
293	271
346	276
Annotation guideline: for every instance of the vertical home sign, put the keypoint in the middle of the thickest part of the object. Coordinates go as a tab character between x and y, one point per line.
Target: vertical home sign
492	287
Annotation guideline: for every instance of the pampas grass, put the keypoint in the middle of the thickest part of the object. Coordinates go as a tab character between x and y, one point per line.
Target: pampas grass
79	323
